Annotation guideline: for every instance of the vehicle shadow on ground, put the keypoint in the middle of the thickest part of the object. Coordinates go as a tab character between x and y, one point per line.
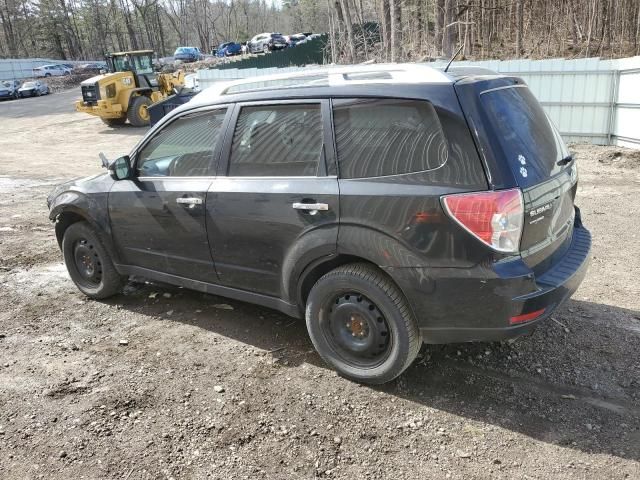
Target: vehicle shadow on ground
573	383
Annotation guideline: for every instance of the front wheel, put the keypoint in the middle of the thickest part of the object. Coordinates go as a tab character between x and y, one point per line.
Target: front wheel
138	112
265	49
361	324
88	262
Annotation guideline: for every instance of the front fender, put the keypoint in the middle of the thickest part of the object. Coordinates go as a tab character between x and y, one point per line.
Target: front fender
73	204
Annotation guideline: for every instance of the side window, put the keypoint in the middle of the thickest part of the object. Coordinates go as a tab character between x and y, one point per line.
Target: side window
277	140
387	137
184	148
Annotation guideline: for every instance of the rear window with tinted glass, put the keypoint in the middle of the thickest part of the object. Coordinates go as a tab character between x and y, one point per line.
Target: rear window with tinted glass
530	143
377	137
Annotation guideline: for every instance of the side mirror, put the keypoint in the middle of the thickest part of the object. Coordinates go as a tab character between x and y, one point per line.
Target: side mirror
120	168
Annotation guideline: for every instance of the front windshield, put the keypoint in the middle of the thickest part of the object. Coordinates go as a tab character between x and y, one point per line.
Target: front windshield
121	63
138	63
143	64
6	84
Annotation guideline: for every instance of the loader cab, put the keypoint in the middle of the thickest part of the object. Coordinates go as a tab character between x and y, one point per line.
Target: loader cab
140	63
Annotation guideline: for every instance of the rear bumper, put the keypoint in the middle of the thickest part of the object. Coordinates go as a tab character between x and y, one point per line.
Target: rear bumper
478	304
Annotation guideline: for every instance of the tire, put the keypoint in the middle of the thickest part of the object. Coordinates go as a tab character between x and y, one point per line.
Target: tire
265	49
47	74
138	113
88	262
361	324
114	122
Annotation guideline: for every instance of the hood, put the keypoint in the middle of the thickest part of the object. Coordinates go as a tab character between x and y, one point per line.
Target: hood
23	89
93	80
101	182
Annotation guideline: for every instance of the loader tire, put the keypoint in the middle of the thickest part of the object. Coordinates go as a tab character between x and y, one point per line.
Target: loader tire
138	112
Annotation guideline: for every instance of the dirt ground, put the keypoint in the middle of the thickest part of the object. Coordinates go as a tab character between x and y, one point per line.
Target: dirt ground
162	382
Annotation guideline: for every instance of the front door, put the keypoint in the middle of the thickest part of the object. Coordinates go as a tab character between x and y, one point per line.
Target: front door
158	217
277	201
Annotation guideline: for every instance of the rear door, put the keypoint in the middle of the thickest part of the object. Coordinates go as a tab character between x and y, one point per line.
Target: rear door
526	143
274	198
158	217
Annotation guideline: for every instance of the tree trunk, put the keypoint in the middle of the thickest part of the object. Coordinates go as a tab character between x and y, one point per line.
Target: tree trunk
386	28
449	31
519	22
396	30
438	15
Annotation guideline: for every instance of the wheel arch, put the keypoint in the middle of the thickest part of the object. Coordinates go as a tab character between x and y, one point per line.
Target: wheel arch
66	215
137	92
316	269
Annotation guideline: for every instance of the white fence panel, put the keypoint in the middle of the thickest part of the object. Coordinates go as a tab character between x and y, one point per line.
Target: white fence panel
19	69
626	123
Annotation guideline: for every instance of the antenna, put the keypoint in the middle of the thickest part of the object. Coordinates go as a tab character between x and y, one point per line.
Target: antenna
454	57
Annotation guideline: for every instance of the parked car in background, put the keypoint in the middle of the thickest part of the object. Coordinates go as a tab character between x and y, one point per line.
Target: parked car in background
293	40
228	49
187	54
33	88
91	67
266	42
51	71
9	89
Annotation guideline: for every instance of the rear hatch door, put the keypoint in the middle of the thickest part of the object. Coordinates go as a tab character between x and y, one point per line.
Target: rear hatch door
527	151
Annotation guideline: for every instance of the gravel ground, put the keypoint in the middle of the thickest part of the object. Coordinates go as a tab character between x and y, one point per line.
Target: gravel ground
161	382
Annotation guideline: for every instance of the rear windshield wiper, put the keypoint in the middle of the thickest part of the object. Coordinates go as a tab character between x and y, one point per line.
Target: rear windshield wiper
566	160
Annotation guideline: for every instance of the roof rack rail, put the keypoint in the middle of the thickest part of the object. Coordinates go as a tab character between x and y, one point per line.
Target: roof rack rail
331	76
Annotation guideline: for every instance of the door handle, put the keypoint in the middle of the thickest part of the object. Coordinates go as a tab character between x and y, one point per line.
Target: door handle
190	201
312	208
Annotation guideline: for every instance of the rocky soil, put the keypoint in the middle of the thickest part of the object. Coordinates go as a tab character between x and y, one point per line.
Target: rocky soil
162	382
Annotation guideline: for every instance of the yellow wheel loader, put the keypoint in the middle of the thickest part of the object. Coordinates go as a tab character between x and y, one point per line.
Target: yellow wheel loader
128	89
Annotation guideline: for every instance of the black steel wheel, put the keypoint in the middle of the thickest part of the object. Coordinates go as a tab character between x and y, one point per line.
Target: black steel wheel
88	262
356	329
360	324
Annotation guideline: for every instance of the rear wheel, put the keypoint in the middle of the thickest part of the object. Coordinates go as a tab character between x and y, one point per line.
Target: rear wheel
114	122
138	112
361	324
88	262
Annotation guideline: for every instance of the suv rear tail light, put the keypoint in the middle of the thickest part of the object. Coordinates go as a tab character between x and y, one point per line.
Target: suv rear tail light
494	217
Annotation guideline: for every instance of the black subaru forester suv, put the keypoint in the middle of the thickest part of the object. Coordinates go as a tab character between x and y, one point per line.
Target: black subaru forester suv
388	205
